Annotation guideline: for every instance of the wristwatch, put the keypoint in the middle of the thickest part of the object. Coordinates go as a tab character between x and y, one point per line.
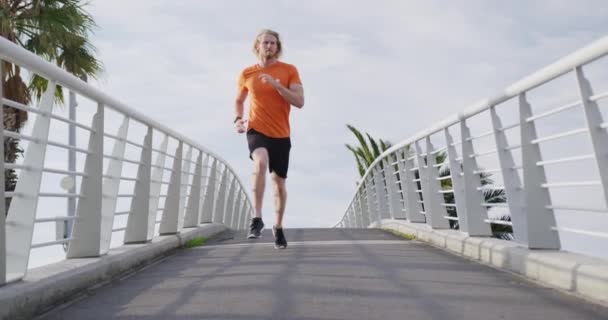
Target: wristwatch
237	119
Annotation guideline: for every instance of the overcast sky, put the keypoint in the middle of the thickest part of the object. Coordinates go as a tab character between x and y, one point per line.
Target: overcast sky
391	68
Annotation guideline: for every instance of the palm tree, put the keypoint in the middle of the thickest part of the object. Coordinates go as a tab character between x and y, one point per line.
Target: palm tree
364	155
58	31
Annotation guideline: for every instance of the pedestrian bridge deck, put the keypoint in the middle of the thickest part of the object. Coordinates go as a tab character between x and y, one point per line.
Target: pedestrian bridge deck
323	274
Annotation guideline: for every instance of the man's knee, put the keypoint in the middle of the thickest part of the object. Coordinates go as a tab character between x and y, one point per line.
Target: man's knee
260	161
260	166
279	186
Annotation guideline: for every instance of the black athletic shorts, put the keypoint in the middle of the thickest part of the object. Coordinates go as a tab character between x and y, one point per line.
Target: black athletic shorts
278	151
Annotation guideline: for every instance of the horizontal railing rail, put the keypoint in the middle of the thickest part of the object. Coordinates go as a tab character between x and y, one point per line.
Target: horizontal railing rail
450	189
136	182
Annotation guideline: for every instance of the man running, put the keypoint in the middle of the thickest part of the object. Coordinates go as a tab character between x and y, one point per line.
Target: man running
274	87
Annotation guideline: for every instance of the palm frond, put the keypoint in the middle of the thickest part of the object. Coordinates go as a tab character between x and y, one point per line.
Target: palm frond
374	144
355	152
364	147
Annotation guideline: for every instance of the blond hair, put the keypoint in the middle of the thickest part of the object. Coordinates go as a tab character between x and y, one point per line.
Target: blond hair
272	33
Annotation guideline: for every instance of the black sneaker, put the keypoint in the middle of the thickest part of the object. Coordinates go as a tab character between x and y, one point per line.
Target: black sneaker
255	228
279	238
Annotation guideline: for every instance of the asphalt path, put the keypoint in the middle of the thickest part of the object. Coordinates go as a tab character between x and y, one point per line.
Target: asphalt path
325	274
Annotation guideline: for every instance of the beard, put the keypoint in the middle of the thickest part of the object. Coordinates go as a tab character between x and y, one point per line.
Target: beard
268	54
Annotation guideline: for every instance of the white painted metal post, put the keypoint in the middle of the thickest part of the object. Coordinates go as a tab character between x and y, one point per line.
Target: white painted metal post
394	195
371	206
2	199
363	201
209	203
220	203
139	214
474	223
356	216
184	188
193	209
428	179
513	186
234	222
86	234
204	186
111	186
540	218
230	202
155	186
381	197
245	214
599	137
438	211
435	212
363	215
22	212
457	180
356	213
409	187
169	221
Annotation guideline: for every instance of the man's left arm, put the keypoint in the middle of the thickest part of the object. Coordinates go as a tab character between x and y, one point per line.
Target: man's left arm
294	95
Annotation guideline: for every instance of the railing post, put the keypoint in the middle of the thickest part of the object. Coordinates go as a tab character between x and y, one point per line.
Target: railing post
365	213
184	188
438	211
435	213
3	199
371	207
599	137
218	214
155	186
357	208
193	211
476	214
111	186
394	196
355	214
86	235
513	186
408	188
234	222
138	219
230	202
245	215
539	216
204	185
22	212
383	211
209	203
169	221
457	181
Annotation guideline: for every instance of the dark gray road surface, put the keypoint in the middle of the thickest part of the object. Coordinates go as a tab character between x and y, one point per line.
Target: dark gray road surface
362	274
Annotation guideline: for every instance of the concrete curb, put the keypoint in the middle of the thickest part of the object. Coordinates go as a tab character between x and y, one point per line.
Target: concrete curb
579	274
57	283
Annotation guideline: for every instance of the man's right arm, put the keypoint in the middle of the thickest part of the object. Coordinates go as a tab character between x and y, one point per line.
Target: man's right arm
239	109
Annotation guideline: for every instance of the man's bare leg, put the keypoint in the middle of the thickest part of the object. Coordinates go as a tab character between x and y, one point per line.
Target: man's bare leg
260	165
280	198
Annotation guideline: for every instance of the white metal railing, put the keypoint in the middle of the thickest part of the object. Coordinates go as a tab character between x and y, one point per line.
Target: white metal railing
201	186
529	205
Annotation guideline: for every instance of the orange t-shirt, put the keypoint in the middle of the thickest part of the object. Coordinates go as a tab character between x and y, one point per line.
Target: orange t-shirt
268	110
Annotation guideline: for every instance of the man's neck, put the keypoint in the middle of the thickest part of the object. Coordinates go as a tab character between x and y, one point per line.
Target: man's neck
267	62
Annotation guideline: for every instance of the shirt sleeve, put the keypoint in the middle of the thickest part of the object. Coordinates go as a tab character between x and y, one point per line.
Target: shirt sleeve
241	82
294	77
